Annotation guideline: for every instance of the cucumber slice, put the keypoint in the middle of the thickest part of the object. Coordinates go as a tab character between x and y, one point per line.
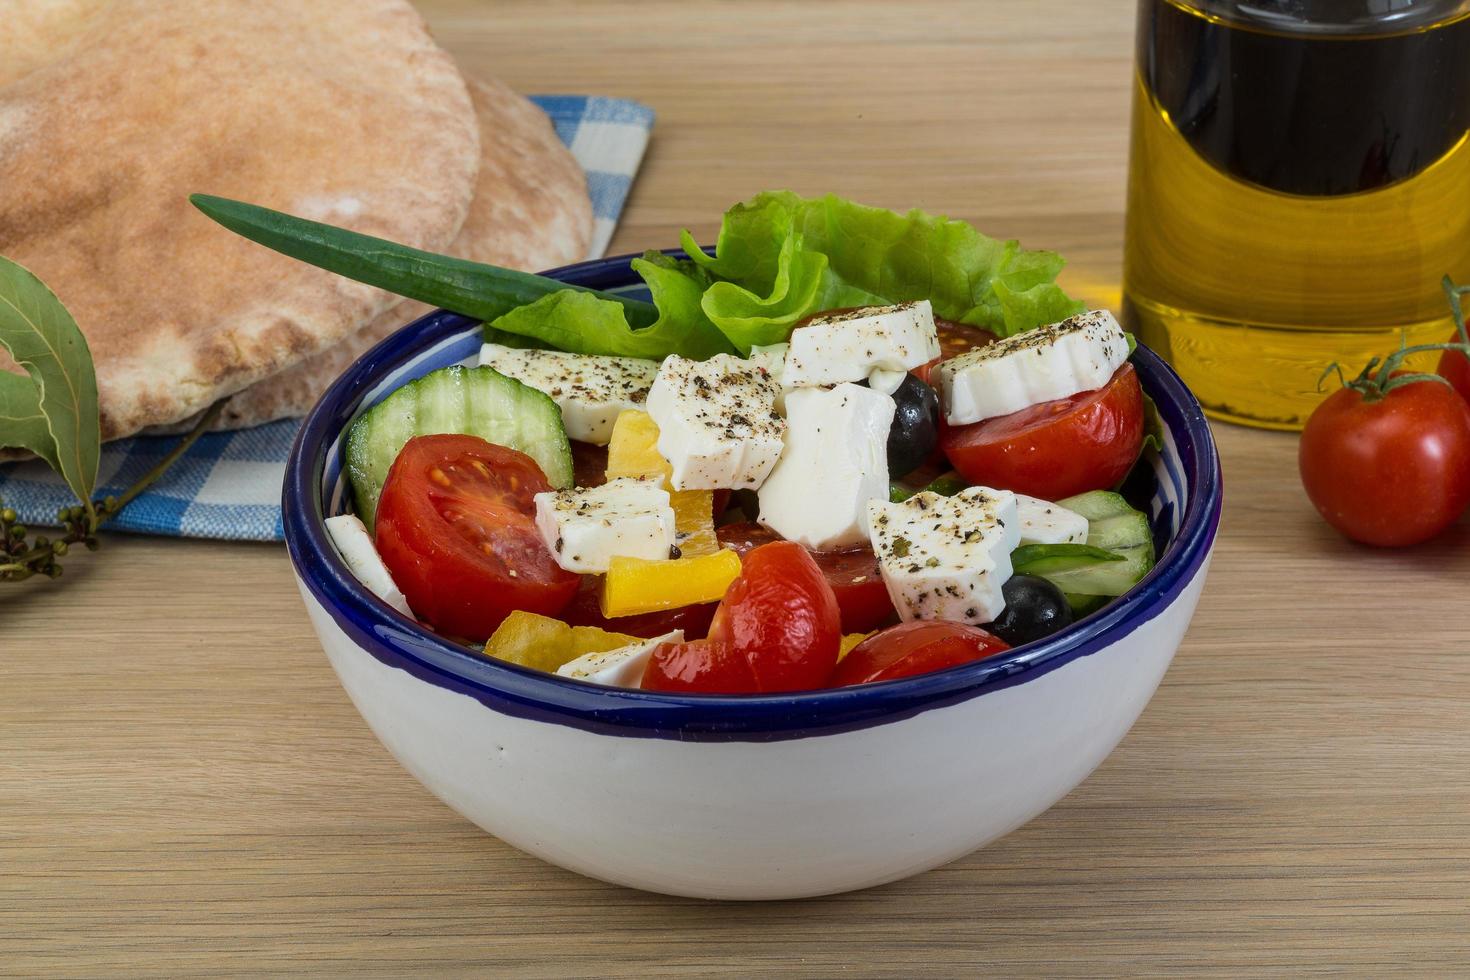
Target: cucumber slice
477	401
1084	604
1113	526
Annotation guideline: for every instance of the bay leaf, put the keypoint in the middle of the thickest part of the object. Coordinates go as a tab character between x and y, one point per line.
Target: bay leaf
22	426
43	338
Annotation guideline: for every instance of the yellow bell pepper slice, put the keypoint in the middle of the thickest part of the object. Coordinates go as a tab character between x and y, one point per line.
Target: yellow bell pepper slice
849	641
592	639
694	522
633	451
637	585
544	643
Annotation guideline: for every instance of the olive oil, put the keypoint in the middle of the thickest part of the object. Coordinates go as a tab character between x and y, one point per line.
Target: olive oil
1299	183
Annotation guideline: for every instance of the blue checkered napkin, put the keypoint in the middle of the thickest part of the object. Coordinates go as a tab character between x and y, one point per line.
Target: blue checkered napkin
228	485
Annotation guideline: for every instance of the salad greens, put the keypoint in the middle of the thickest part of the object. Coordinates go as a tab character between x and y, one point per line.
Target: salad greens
779	257
582	323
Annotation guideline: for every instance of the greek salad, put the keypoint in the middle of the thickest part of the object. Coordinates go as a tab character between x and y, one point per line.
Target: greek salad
911	465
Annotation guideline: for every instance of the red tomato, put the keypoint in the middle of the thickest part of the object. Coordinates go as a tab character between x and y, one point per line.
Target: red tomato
781	614
456	528
703	666
1393	471
1058	448
913	648
779	619
853	574
1455	368
585	609
954	339
960	338
589	464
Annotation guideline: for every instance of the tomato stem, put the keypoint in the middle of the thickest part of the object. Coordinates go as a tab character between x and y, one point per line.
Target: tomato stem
1453	294
1378	376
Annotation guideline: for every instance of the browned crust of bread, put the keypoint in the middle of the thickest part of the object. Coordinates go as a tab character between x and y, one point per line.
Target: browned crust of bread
340	110
531	211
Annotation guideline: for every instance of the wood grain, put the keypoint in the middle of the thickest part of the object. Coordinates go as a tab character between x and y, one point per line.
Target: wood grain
184	788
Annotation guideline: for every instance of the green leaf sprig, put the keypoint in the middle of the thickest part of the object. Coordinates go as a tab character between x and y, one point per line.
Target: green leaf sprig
52	411
1379	376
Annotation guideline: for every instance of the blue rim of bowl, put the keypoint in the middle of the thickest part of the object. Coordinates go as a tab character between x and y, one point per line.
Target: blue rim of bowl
399	642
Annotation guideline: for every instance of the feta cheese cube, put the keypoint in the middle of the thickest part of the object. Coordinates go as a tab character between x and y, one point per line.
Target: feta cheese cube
886	381
717	421
622	667
1043	522
356	547
1078	354
838	347
834	462
585	528
590	389
946	557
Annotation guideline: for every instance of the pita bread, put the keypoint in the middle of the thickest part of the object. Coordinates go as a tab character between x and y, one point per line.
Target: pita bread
531	211
112	112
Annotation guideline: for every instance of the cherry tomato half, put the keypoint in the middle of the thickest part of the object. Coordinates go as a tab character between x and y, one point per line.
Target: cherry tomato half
960	338
589	464
1394	471
853	574
456	528
779	616
918	647
1088	441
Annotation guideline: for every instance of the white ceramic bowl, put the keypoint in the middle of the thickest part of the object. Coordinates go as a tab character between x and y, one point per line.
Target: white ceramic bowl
765	797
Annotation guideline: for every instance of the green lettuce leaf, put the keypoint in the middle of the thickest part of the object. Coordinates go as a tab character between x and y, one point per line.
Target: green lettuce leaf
780	257
583	323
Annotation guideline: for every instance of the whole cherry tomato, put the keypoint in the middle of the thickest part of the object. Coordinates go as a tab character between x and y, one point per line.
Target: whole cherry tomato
918	647
699	666
853	573
456	527
1088	441
1386	460
779	616
1454	367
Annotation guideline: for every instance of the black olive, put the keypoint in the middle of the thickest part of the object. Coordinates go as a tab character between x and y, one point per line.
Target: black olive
915	429
1034	609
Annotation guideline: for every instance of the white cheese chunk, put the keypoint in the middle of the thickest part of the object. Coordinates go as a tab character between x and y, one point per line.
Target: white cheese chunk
886	381
1043	522
590	389
585	528
946	557
1078	354
840	347
834	462
356	547
622	667
717	421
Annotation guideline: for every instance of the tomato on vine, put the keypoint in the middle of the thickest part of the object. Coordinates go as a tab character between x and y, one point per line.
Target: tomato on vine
1386	459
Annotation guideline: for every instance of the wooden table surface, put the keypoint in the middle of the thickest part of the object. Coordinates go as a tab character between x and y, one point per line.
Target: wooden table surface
184	788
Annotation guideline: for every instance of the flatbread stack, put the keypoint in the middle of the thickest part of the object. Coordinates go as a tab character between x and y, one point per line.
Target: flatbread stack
113	111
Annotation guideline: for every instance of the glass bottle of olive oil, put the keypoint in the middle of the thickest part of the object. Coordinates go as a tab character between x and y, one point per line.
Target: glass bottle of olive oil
1299	182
